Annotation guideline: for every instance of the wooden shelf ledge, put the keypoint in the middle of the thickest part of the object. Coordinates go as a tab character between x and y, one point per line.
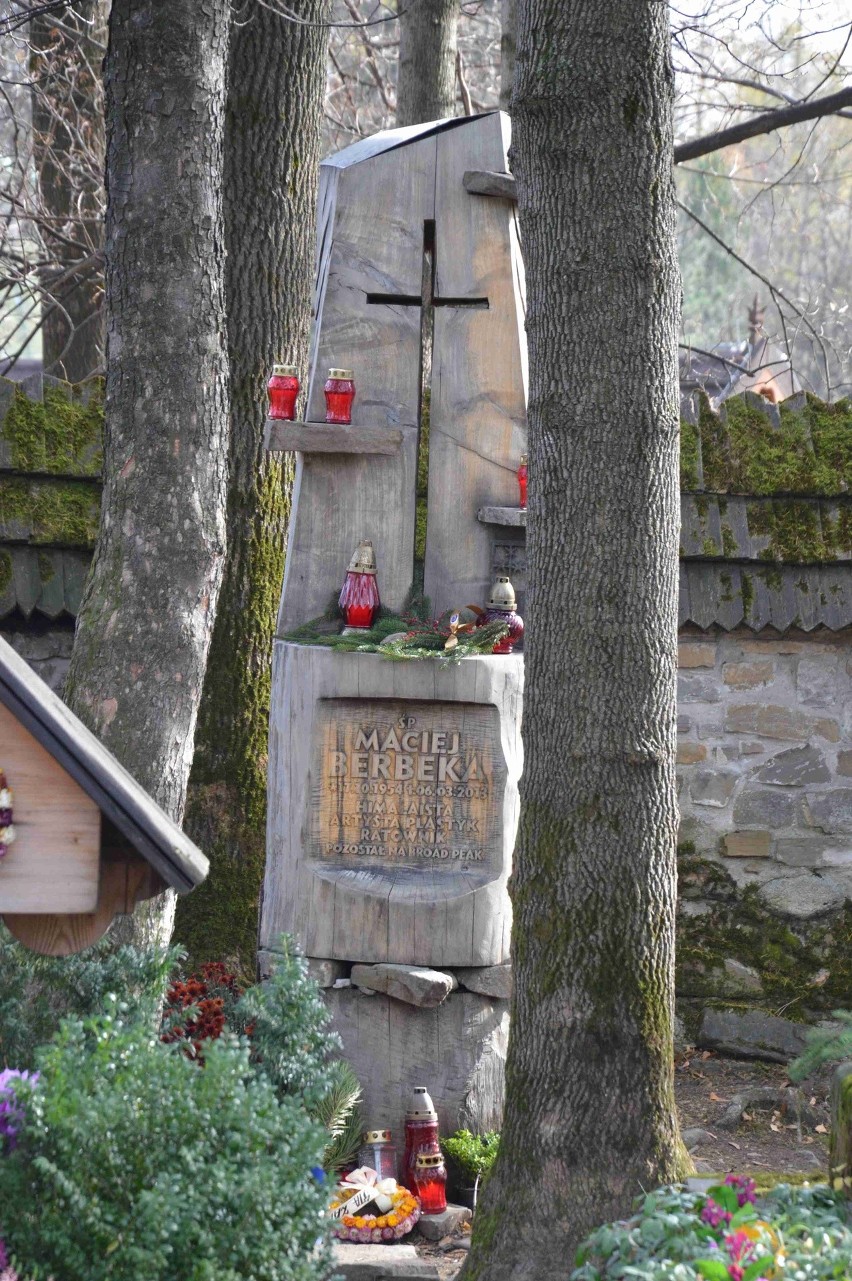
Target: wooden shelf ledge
515	516
330	438
486	182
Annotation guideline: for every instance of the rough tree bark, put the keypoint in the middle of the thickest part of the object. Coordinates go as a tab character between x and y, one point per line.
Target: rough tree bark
508	51
68	151
272	153
590	1118
426	80
145	623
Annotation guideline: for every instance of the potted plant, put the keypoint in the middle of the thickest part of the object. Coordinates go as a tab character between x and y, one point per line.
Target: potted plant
471	1157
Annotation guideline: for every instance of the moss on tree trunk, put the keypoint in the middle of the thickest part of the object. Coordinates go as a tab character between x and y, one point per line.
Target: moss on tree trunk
277	71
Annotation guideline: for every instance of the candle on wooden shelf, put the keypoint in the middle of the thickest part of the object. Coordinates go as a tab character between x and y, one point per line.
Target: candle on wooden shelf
283	389
339	394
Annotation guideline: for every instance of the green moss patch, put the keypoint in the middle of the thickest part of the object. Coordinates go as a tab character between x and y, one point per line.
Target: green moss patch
744	453
738	925
62	513
63	435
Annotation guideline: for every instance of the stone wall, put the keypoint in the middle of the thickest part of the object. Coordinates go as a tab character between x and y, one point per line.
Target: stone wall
765	790
765	763
45	645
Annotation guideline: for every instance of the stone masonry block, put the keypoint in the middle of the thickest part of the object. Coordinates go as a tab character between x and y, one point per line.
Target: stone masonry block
691	753
801	850
713	787
830	811
803	896
696	654
816	680
693	688
748	675
414	984
488	980
747	844
773	721
844	764
767	809
795	767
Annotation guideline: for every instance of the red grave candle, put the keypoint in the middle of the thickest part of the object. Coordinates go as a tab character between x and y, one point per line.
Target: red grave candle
522	482
339	394
283	388
430	1182
359	598
421	1134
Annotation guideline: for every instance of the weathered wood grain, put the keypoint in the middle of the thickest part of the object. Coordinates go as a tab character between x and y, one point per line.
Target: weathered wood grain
478	405
124	881
372	903
487	182
458	1049
331	438
52	866
366	246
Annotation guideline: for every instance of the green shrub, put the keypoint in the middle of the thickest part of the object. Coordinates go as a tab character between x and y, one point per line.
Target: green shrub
473	1155
136	1164
37	992
832	1044
802	1233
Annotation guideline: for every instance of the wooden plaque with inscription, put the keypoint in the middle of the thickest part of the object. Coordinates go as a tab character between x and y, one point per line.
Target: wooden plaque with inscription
392	818
405	784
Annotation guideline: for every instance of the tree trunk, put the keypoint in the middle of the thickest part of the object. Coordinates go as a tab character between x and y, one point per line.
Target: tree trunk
508	51
145	623
68	151
590	1119
272	153
426	81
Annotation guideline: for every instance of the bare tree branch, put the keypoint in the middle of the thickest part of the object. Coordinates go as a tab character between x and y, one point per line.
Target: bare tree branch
766	122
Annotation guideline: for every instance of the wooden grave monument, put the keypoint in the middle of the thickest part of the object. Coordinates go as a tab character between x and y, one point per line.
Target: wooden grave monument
85	843
393	786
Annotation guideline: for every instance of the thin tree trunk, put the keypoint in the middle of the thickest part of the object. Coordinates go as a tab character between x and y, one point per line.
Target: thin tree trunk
508	51
426	81
145	623
68	150
272	153
590	1119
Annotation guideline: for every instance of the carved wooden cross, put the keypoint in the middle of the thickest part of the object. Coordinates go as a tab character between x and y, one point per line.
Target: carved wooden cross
427	300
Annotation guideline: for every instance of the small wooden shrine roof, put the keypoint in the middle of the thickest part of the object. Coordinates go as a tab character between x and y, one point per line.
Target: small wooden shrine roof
390	139
120	798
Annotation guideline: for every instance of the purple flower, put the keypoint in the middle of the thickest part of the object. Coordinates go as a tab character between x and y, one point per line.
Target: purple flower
11	1108
713	1214
746	1188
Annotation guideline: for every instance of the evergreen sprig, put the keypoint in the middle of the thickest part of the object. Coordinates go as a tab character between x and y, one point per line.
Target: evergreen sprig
419	639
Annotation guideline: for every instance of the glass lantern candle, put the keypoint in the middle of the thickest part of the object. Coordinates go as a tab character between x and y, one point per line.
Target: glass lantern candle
283	388
378	1152
501	608
522	483
339	394
359	598
421	1133
430	1182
